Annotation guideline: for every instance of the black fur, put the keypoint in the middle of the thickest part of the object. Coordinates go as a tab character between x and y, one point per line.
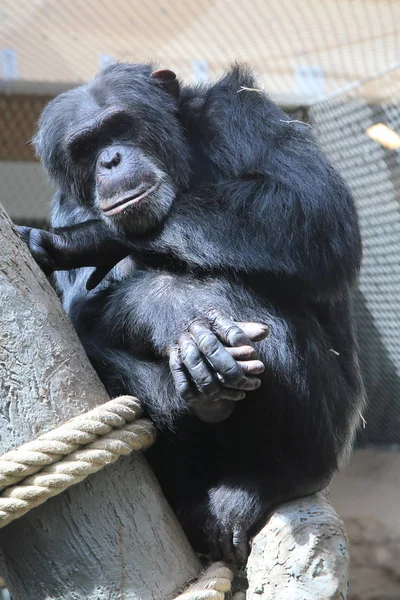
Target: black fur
259	226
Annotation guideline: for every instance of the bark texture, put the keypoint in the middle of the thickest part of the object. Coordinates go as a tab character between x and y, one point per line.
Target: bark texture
110	537
301	554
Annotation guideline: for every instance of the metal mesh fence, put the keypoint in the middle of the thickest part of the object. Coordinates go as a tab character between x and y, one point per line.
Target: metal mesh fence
305	52
342	124
308	47
24	189
333	62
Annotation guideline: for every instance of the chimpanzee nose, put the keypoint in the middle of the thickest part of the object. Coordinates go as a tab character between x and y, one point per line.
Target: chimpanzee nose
109	158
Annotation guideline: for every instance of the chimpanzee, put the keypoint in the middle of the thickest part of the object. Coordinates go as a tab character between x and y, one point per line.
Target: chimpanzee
220	209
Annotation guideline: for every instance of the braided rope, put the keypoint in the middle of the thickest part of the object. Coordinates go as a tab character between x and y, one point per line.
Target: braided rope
60	472
213	584
50	447
69	453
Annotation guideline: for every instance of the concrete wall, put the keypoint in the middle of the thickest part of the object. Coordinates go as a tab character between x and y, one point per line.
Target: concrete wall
25	192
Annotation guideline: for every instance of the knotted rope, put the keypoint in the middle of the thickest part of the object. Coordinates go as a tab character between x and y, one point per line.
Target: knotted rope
69	453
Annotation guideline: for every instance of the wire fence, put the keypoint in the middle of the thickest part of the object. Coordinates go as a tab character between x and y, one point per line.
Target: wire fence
343	126
334	63
299	47
331	60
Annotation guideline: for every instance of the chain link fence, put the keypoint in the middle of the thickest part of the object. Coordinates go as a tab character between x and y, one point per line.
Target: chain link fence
343	125
24	189
333	63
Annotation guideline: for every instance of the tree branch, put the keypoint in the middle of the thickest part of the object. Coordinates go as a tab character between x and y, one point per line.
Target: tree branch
300	554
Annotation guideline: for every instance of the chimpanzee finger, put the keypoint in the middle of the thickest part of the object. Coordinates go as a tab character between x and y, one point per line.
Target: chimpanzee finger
197	367
247	357
253	383
226	545
227	330
97	276
24	232
94	279
243	352
231	394
182	382
252	367
222	362
240	544
38	245
185	387
255	331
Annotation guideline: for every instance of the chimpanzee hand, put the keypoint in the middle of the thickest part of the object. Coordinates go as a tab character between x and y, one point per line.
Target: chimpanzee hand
42	245
215	364
83	245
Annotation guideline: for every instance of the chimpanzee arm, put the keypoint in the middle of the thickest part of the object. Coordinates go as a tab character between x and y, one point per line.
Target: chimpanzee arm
92	243
212	359
87	244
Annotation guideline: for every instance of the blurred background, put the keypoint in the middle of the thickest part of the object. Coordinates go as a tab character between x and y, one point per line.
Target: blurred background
332	63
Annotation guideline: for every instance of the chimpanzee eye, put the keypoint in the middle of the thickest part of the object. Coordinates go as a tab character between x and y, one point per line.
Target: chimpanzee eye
86	148
83	149
119	127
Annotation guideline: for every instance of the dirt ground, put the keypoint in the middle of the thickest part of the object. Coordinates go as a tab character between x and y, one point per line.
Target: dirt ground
367	497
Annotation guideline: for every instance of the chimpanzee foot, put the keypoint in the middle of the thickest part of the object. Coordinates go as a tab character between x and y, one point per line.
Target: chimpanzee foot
230	543
222	524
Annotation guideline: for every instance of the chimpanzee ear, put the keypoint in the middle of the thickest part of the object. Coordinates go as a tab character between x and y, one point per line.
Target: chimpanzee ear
168	80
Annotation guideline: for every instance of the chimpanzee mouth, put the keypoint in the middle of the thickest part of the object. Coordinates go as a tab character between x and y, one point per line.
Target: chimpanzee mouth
134	198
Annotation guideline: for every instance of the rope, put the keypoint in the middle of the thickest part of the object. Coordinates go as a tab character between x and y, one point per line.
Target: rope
69	453
50	447
60	472
213	584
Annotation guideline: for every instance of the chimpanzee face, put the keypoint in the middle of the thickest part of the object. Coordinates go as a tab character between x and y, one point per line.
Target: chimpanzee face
130	185
117	145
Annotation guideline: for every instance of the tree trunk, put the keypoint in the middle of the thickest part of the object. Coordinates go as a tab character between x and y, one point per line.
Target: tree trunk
110	537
